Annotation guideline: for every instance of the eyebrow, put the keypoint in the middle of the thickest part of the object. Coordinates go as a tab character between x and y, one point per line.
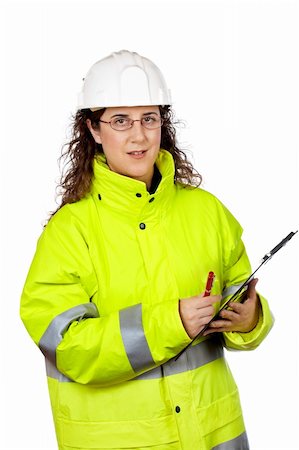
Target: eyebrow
127	115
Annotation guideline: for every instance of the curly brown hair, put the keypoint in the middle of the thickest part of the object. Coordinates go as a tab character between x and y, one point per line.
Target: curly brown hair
77	172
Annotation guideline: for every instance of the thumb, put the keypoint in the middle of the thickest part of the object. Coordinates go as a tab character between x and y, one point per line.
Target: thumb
251	288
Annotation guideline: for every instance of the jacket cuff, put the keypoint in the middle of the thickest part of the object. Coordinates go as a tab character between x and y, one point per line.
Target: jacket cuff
164	330
252	339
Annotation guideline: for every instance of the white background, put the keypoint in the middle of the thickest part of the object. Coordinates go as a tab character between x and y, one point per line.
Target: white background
232	67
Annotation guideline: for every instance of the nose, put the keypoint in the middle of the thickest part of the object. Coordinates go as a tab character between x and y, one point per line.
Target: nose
138	132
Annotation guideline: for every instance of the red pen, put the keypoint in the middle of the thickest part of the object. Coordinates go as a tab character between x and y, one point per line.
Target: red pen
209	284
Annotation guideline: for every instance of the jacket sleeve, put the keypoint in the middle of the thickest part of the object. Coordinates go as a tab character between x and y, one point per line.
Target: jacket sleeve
59	314
236	271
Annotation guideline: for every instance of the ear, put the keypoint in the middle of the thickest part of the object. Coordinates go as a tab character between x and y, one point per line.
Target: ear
95	133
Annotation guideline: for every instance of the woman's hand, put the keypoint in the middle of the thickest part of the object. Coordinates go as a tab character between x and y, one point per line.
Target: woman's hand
196	312
242	318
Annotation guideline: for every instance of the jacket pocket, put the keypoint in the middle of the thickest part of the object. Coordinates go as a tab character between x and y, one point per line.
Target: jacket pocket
117	435
220	413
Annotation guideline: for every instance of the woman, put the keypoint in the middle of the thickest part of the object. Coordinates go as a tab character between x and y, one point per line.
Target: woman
115	289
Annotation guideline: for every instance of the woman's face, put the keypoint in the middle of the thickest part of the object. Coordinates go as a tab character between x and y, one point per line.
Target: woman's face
131	152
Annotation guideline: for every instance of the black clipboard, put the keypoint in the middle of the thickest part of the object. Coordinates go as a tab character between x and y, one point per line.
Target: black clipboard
240	294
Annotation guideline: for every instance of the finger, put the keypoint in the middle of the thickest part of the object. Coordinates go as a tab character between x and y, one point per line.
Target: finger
219	330
208	301
251	288
236	307
228	315
217	324
209	331
212	298
208	311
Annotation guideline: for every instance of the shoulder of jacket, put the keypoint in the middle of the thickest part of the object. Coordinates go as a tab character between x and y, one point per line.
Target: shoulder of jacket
71	213
197	194
203	200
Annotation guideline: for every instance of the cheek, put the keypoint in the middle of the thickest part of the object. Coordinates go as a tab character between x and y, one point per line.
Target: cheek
113	149
111	141
159	139
156	139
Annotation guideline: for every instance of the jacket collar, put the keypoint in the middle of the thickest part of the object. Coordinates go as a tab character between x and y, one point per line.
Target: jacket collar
119	192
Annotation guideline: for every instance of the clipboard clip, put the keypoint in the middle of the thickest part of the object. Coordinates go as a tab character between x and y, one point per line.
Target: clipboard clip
274	250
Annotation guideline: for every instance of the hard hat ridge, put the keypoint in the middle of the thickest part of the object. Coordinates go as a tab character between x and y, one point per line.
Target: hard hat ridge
123	78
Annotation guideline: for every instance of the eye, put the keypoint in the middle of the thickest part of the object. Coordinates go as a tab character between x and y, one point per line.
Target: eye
150	119
120	121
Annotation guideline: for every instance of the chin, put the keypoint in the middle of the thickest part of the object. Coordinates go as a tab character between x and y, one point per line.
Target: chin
140	175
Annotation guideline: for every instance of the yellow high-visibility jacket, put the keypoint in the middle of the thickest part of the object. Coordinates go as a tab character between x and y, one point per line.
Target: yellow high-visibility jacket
101	302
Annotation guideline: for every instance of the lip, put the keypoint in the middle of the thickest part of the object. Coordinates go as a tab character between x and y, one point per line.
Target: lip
137	154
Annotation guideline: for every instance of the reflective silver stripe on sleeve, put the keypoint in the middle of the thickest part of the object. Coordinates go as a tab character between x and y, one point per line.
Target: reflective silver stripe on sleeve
193	358
54	333
230	290
238	443
53	372
134	339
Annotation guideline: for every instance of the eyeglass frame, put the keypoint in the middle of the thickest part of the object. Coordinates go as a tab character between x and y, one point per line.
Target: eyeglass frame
132	123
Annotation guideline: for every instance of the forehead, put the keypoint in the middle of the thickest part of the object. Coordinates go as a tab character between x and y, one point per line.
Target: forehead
131	110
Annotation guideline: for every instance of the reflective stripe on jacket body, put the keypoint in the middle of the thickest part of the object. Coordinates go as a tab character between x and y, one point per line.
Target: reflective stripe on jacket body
101	301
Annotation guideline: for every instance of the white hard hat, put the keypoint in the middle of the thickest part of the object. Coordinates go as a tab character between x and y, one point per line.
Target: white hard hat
123	79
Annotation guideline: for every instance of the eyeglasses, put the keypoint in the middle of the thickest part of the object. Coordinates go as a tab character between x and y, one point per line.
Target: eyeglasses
150	122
